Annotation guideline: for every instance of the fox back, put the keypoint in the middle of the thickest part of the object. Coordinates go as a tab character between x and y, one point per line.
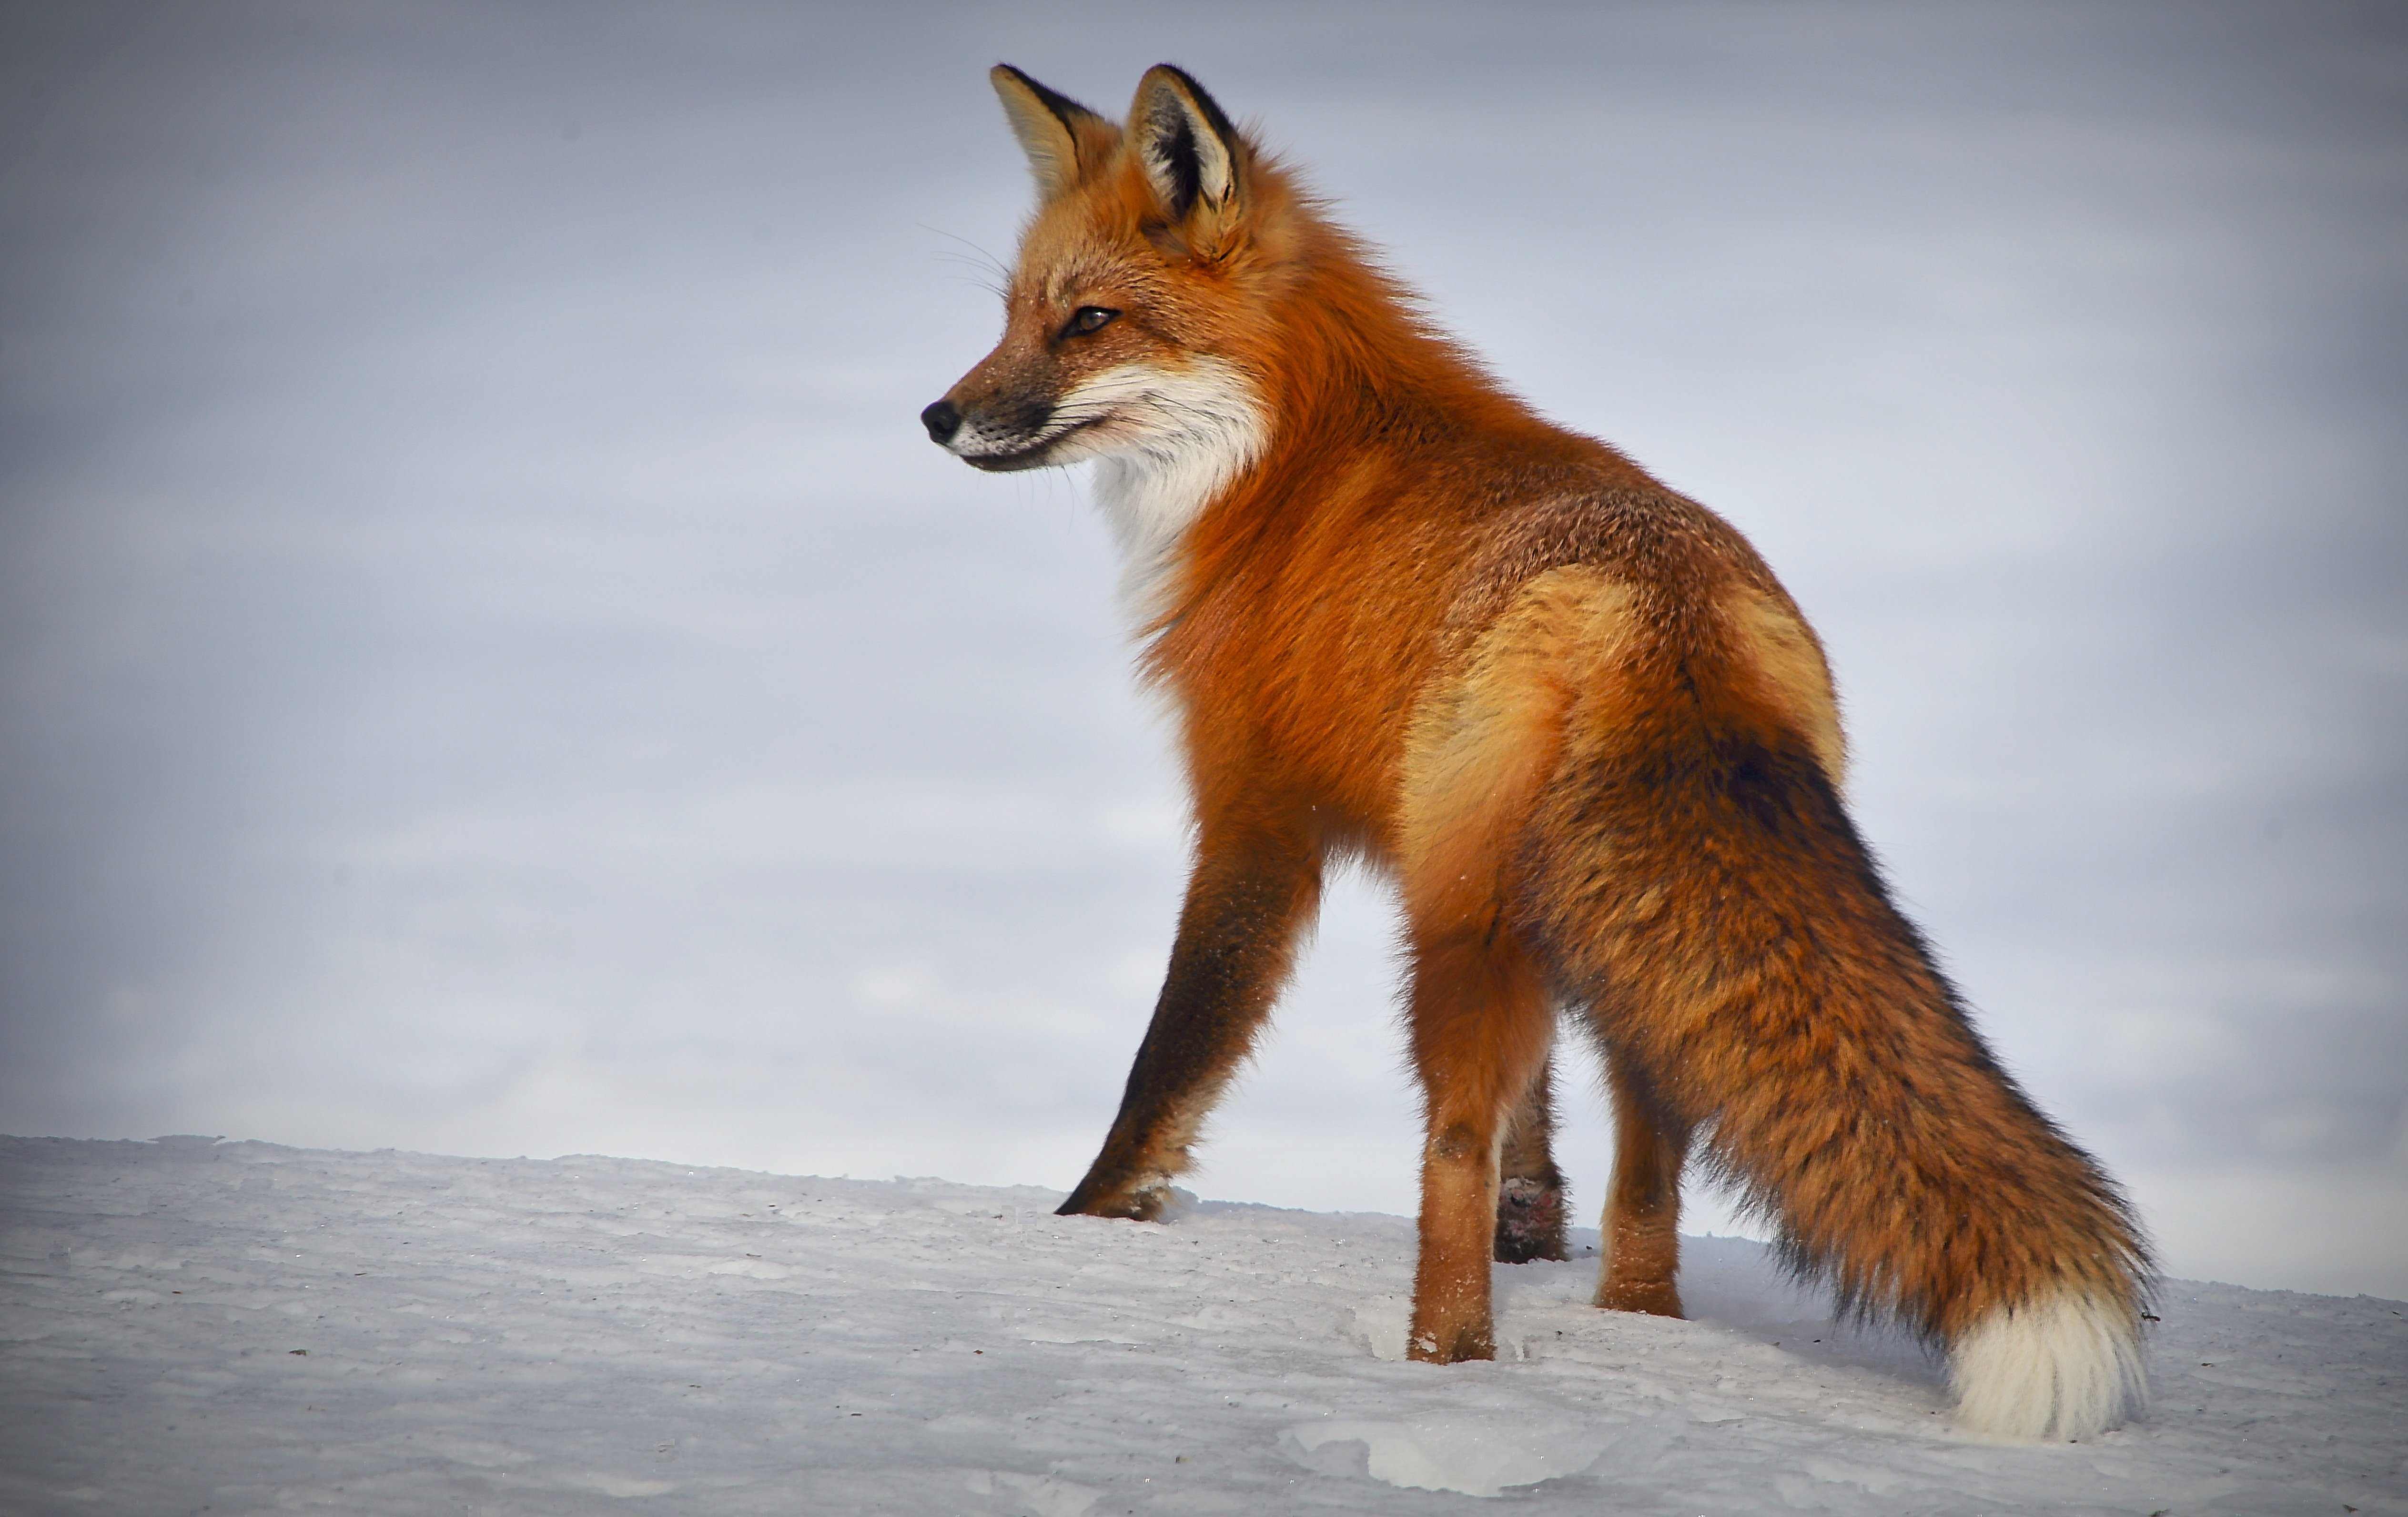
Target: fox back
1404	620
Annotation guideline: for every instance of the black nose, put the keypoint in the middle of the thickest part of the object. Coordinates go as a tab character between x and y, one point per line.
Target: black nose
942	420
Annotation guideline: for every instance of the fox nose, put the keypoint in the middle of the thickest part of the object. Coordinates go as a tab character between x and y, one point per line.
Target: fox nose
942	420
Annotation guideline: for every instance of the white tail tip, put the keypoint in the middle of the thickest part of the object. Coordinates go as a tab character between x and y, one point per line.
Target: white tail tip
2063	1368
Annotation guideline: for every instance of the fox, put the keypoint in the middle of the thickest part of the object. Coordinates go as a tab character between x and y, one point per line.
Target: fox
1401	621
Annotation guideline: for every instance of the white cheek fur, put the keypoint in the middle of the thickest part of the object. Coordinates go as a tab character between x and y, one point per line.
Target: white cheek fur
1176	439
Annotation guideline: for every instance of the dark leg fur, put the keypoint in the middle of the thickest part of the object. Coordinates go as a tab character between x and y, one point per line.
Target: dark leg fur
1530	1189
1250	892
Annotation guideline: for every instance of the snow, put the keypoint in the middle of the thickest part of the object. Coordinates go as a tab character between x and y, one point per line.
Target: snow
199	1326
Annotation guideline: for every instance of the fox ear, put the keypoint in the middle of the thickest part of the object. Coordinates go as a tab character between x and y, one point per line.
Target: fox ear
1048	126
1190	152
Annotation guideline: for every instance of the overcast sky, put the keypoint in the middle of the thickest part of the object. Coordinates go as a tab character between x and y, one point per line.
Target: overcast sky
491	664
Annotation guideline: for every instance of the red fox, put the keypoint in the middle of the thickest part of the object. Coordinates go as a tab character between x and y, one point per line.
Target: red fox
1403	620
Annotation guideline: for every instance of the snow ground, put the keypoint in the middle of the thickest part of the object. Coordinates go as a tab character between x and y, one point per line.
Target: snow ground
196	1326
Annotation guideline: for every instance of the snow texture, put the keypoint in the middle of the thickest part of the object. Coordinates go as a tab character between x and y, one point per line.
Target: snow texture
192	1326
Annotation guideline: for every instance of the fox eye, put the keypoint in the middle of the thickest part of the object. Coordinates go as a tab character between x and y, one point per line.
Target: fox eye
1087	319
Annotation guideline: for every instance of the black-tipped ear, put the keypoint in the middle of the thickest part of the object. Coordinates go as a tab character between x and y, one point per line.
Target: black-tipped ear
1190	150
1047	124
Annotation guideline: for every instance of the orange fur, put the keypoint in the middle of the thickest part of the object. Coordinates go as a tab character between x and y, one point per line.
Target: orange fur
1403	618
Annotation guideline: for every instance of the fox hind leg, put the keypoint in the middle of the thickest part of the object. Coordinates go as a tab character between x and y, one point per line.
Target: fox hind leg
1480	1024
1482	1016
1640	1232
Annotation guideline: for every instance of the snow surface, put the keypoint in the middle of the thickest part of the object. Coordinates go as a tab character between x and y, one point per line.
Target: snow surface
197	1326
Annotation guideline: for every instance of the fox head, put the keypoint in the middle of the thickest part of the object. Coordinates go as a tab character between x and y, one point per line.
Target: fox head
1143	284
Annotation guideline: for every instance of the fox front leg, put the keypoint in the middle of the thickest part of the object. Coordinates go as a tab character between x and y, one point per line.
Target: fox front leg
1530	1187
1252	890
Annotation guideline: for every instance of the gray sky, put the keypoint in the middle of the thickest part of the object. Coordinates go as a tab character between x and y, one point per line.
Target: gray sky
491	664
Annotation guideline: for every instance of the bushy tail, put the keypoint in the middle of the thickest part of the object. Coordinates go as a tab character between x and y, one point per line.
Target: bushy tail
1703	894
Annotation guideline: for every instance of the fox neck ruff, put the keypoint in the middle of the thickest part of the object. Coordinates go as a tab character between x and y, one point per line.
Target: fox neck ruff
1202	425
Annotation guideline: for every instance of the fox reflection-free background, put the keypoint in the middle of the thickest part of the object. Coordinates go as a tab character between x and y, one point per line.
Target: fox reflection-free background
492	665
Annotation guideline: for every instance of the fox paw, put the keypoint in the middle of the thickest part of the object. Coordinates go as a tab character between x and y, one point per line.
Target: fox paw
1141	1202
1529	1221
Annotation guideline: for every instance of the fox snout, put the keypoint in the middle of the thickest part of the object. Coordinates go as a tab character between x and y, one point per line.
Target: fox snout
998	431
